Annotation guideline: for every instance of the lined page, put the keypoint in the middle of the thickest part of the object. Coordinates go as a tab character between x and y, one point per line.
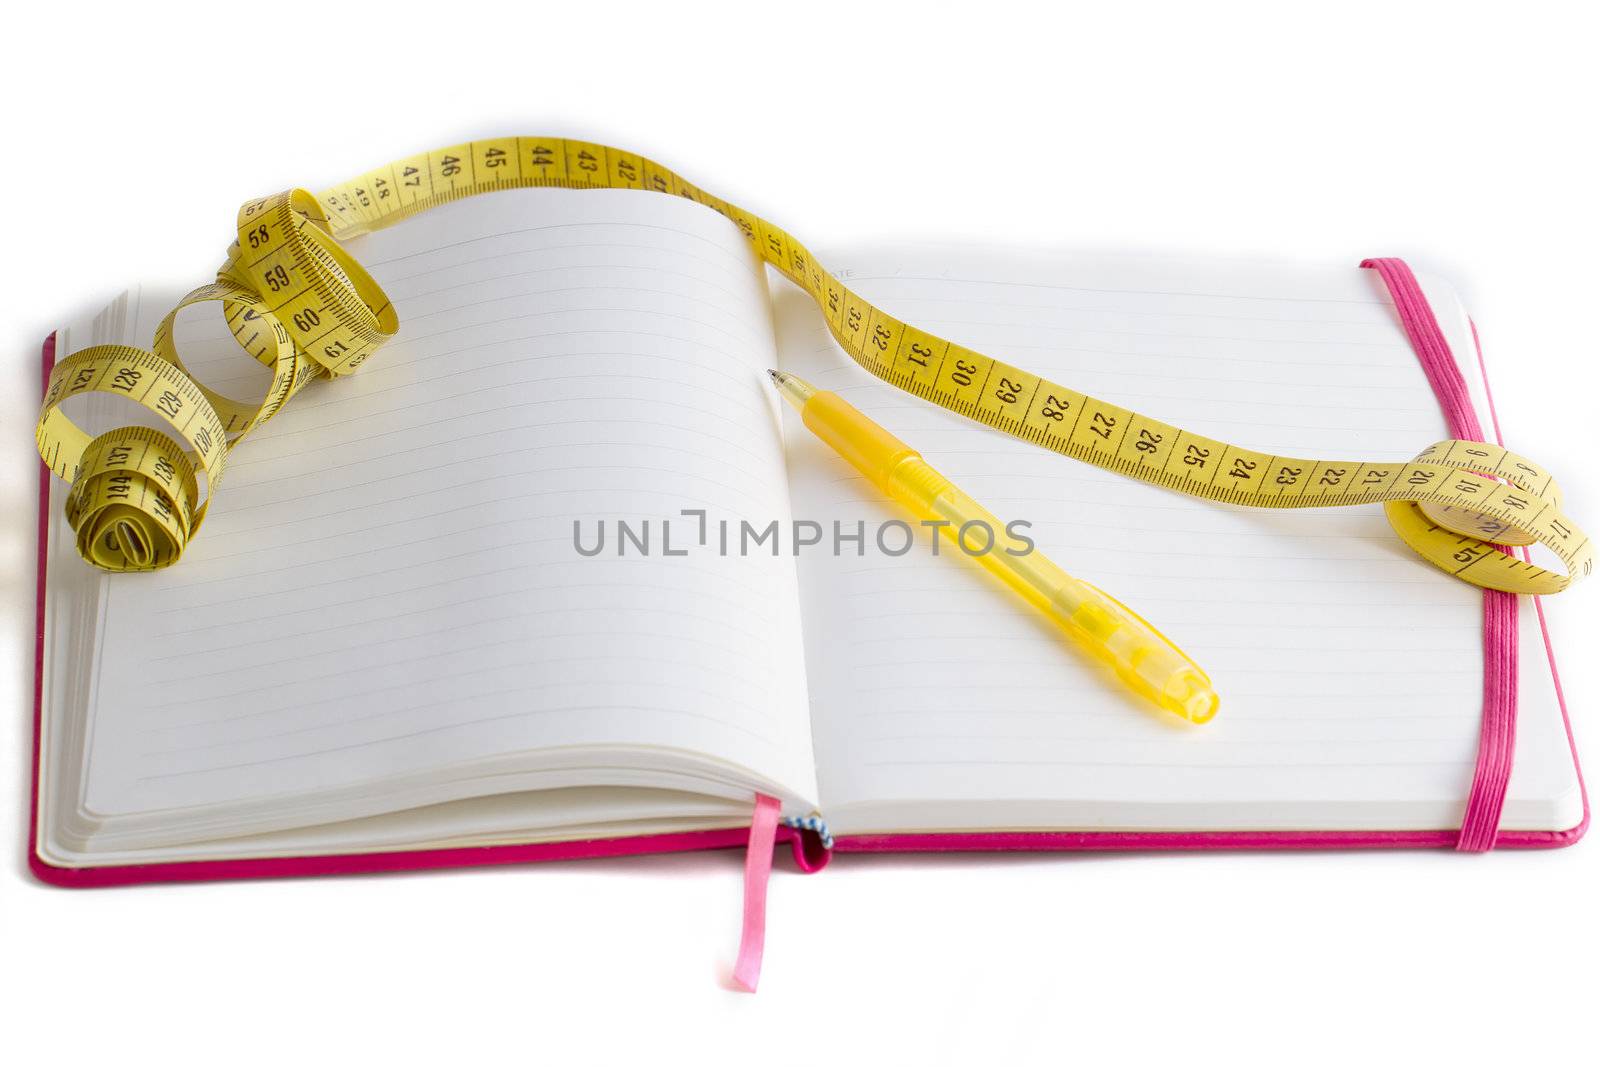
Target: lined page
1350	671
388	583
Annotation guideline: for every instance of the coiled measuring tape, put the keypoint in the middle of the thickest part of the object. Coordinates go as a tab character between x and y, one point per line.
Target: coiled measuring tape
301	305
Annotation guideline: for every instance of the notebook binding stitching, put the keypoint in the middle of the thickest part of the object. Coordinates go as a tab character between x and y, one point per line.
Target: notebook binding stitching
815	823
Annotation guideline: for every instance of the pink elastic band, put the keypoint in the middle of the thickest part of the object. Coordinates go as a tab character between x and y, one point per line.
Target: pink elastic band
1497	733
757	869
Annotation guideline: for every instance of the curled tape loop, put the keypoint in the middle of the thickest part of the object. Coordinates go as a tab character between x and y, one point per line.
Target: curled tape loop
300	304
135	499
330	308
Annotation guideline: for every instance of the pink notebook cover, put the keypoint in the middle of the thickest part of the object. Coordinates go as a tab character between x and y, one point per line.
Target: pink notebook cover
806	847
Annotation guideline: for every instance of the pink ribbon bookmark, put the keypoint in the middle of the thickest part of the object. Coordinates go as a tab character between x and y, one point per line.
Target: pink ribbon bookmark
757	869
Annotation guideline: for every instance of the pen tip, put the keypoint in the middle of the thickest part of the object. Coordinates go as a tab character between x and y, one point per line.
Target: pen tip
792	389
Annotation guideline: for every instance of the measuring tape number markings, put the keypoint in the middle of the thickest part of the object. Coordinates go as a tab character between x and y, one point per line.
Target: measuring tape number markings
301	305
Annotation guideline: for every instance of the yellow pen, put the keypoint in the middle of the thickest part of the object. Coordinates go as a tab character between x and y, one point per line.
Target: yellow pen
1150	664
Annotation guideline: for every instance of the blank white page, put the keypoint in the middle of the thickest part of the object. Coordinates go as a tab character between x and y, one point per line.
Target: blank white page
1350	671
388	584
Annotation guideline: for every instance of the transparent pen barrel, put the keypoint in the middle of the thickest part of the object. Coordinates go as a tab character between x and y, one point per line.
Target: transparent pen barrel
1144	659
1138	652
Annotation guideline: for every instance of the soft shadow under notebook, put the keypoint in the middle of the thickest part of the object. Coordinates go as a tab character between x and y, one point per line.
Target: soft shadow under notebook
395	645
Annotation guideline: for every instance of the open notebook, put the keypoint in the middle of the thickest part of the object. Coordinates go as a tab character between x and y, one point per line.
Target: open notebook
386	637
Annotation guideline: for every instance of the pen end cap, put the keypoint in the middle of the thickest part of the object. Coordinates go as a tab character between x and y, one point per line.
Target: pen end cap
1192	698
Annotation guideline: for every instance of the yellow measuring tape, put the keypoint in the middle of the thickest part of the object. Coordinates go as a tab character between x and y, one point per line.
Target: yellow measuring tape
301	305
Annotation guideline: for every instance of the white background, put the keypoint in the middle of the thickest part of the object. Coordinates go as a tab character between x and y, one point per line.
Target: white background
1458	135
